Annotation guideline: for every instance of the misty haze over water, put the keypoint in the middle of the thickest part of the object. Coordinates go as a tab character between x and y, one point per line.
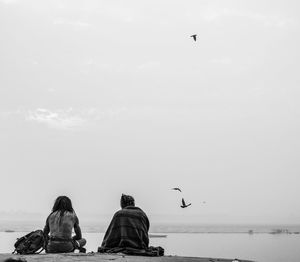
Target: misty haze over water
100	98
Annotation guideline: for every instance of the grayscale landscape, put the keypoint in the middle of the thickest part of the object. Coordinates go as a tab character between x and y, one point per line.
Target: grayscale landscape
100	98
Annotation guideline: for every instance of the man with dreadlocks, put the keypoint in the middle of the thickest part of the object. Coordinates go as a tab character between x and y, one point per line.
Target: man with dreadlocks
60	224
128	230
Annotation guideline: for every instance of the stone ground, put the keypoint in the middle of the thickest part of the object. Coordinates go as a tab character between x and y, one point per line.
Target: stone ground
93	257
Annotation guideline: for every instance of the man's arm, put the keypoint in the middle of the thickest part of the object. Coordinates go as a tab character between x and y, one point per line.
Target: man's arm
77	230
46	228
46	232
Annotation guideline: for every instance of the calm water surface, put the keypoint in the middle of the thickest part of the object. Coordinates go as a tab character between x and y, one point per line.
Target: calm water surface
258	247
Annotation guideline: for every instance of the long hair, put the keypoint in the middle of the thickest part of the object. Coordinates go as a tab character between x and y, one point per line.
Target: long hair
62	204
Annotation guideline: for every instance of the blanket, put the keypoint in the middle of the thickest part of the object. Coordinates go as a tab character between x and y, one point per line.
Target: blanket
149	251
128	229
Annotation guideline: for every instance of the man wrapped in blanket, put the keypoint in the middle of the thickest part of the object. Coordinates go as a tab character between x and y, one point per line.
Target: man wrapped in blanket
128	231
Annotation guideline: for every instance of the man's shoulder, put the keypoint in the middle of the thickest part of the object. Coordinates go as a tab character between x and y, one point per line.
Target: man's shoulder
132	209
136	211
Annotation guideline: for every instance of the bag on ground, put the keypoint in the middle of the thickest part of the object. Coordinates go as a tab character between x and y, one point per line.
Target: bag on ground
30	243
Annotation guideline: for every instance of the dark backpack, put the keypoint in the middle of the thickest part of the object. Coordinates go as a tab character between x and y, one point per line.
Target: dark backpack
30	243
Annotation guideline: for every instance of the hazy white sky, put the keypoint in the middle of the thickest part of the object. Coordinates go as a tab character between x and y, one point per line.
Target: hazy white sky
99	98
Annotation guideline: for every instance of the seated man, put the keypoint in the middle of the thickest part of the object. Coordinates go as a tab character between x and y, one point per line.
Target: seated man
128	228
60	224
128	232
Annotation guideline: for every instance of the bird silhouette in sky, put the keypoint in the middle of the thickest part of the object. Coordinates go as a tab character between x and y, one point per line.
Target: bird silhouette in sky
176	188
194	37
184	205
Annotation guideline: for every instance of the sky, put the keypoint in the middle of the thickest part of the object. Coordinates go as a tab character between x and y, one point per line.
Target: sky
100	98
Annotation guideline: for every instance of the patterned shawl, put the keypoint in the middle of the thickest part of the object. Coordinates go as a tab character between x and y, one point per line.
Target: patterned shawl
128	228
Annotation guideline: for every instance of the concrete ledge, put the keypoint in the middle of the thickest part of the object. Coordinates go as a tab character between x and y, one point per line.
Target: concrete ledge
93	257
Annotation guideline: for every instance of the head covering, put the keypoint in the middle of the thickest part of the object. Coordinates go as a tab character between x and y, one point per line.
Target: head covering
127	200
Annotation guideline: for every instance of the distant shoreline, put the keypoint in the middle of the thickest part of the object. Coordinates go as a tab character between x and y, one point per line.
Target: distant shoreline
167	228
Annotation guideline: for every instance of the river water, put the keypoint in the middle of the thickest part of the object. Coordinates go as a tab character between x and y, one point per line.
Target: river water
262	247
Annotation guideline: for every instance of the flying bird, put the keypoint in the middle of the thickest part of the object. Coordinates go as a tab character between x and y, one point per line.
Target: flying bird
183	205
194	37
176	188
